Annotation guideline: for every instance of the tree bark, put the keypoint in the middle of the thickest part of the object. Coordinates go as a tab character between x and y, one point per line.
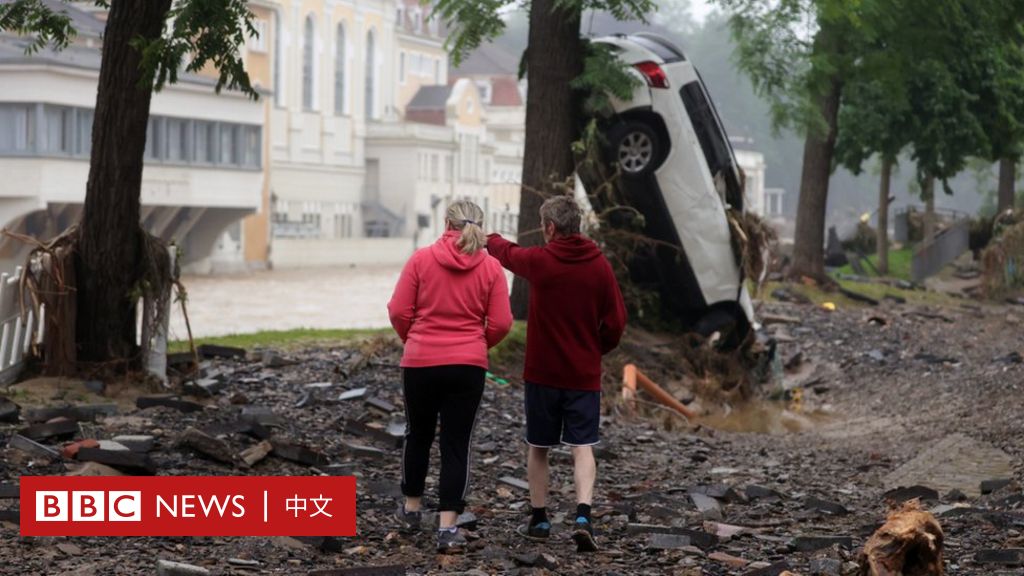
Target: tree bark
110	241
809	237
1007	183
929	209
554	58
883	217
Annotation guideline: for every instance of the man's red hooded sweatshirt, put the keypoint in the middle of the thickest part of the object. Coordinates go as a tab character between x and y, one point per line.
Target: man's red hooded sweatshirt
576	311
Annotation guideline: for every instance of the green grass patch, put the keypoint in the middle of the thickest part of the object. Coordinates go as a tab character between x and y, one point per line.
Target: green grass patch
872	290
284	339
899	264
509	353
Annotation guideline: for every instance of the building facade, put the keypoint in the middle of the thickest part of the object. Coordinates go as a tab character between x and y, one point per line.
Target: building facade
204	155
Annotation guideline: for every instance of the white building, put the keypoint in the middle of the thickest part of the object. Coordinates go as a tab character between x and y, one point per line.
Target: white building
765	202
204	152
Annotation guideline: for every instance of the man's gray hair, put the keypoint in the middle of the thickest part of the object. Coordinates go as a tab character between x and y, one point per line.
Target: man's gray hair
563	212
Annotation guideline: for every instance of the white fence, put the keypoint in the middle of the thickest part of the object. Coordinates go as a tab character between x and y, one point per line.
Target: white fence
17	330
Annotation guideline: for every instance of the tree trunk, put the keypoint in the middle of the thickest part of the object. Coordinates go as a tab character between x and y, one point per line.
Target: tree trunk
809	237
554	58
929	209
110	241
883	217
1007	183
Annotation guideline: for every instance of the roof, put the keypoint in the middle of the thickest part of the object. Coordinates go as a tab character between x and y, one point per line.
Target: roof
505	92
85	24
433	97
488	60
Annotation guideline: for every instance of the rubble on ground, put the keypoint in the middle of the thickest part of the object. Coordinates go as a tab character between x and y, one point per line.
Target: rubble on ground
874	394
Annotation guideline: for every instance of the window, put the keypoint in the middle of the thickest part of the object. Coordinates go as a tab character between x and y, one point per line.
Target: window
307	65
177	140
371	75
205	142
83	140
401	67
434	172
278	61
154	133
17	128
339	71
258	43
713	141
59	122
251	146
437	71
228	143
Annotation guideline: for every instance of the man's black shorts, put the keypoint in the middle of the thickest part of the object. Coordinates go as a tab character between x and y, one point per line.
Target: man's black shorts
556	416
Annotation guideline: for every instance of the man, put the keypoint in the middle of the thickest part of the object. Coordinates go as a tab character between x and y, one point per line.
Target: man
576	315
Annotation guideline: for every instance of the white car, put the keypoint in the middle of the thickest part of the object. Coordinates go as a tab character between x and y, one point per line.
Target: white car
680	172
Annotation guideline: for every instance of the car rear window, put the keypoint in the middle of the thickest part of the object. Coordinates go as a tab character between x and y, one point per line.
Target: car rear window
662	48
712	138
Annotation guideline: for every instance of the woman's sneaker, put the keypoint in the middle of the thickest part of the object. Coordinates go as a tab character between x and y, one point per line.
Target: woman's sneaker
583	535
451	541
408	521
538	532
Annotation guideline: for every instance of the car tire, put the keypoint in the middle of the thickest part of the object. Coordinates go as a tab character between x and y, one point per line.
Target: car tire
726	322
635	147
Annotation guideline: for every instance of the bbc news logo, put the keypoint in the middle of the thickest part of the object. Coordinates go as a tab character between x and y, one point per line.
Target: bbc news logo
88	506
188	506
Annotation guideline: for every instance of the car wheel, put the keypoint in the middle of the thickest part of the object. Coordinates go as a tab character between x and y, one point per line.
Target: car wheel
635	147
726	323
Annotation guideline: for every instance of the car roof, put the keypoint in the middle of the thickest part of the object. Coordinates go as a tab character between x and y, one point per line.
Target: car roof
646	46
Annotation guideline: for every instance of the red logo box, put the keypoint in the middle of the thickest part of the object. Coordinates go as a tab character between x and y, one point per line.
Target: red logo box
188	506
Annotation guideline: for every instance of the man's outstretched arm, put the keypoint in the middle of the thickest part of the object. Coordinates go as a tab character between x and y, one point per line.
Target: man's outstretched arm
511	255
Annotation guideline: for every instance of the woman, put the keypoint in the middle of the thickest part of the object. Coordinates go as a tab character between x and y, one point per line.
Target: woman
450	306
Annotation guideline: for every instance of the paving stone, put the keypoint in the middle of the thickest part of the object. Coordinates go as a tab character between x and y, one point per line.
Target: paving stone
29	446
761	493
136	442
698	538
112	445
707	506
168	568
728	559
298	453
1006	557
208	446
810	543
990	486
58	429
126	461
94	469
774	569
9	491
514	482
900	495
826	506
389	570
381	404
363	450
353	394
79	412
167	401
261	415
826	567
667	541
208	351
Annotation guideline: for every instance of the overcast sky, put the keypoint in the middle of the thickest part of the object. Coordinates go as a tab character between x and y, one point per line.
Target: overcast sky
700	9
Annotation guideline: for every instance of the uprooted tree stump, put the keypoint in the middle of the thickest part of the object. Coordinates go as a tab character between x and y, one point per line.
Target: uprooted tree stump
908	544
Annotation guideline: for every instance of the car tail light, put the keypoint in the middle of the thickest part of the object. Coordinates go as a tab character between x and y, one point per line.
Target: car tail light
653	74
